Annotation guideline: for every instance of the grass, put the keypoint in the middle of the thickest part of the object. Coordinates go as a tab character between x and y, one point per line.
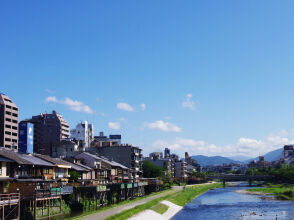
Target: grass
180	198
131	212
188	193
160	208
281	191
86	213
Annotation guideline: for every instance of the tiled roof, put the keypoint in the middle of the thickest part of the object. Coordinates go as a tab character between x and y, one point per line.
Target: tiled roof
26	159
36	160
106	160
78	167
13	156
56	161
4	159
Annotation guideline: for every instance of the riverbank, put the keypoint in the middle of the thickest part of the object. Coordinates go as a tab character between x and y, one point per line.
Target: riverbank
280	191
103	212
174	202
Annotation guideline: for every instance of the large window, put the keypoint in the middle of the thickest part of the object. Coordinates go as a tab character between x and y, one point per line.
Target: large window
60	172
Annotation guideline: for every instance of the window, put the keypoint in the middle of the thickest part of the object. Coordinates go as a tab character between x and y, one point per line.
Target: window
15	115
7	112
14	121
8	119
14	108
7	126
7	132
7	139
14	128
14	134
8	106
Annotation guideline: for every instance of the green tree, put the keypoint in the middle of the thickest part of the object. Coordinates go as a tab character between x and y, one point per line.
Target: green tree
151	171
74	176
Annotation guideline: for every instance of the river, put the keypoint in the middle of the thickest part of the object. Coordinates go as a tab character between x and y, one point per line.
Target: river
226	204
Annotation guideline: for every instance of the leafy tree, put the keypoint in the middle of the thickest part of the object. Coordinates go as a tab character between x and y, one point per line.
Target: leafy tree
151	171
74	176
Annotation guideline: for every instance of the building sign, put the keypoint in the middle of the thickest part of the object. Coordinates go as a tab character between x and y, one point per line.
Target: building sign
26	137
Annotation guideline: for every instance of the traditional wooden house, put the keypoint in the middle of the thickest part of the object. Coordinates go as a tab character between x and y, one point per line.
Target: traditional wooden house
61	167
119	173
106	171
27	172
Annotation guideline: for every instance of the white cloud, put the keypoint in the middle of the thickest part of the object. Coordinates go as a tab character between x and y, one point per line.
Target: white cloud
114	125
74	105
162	126
189	103
124	106
51	99
243	146
143	107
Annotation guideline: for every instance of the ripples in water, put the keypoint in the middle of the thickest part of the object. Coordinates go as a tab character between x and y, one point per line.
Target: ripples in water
225	204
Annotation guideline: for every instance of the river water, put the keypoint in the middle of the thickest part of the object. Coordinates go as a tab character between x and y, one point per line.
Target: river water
226	204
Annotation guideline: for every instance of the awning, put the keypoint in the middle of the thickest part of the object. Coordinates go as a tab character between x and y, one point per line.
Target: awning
63	166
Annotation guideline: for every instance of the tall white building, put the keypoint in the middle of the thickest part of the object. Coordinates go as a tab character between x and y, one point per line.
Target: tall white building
83	132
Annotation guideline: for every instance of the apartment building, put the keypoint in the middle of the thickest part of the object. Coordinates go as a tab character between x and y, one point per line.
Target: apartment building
8	123
83	132
104	141
125	154
48	129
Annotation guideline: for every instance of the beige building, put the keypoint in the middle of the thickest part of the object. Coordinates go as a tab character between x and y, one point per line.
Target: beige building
8	123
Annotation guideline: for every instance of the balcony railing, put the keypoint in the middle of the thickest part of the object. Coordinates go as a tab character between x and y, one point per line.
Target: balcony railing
9	198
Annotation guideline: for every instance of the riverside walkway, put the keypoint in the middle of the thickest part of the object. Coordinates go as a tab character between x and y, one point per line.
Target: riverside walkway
116	210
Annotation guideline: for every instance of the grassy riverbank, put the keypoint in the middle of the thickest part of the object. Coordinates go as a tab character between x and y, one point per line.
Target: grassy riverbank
284	192
188	193
160	208
180	198
101	209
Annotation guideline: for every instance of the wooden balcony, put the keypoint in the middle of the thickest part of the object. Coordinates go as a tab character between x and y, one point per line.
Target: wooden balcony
9	199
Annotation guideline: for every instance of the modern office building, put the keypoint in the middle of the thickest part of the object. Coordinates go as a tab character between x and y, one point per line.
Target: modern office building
48	129
8	123
83	132
26	137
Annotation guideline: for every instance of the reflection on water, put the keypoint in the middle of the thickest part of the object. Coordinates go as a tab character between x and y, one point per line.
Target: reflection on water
224	203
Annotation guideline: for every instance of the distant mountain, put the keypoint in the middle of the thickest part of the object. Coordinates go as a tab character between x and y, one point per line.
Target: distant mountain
216	160
270	156
240	158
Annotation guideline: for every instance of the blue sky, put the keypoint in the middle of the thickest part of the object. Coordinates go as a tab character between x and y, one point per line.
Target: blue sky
215	76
